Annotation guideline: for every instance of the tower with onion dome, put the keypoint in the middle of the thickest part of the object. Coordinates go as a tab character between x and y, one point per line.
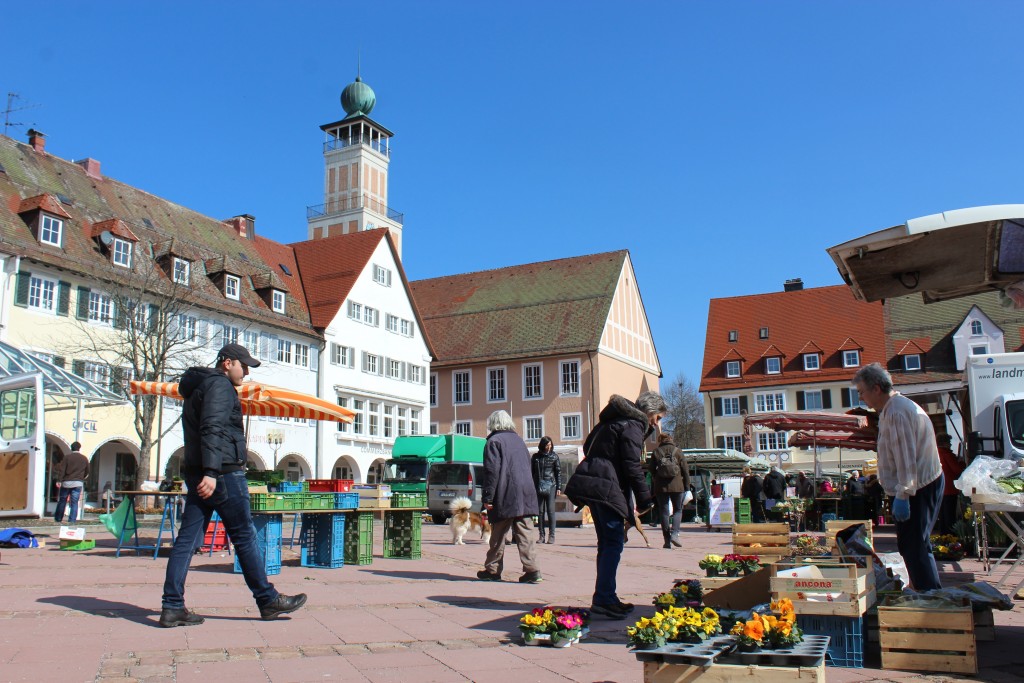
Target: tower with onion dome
357	152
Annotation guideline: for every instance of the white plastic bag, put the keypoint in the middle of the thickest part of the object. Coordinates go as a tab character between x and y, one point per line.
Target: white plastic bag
895	563
979	481
687	497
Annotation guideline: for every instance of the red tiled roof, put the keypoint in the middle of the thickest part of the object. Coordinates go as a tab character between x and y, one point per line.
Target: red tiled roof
46	202
115	226
773	351
826	315
733	354
912	346
276	255
850	344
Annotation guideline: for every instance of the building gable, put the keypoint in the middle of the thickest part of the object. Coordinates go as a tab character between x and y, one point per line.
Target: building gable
627	332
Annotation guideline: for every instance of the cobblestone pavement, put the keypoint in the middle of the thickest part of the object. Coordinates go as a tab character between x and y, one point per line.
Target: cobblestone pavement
69	617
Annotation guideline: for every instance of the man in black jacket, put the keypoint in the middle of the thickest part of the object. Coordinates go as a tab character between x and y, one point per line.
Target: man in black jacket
609	479
774	488
214	469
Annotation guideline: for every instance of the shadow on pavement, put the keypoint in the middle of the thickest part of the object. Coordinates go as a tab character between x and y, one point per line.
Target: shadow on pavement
426	576
118	610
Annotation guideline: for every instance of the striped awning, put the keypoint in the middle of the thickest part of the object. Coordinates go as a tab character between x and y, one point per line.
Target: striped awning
263	399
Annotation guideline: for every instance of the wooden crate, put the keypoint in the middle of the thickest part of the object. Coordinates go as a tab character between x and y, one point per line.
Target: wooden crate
984	626
948	645
656	672
373	495
767	541
818	595
833	526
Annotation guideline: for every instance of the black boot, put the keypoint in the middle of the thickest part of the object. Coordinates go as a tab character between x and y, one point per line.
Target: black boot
668	540
542	538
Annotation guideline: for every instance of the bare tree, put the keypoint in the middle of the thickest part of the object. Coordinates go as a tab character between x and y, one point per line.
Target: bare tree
685	419
143	326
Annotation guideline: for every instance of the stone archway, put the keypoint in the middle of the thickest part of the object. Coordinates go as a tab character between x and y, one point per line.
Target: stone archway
294	467
56	449
374	473
254	461
346	467
115	461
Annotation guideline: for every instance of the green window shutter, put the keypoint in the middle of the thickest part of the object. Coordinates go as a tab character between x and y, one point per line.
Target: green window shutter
846	398
78	367
743	405
719	442
63	298
154	317
718	407
800	403
826	399
82	312
21	286
59	361
120	319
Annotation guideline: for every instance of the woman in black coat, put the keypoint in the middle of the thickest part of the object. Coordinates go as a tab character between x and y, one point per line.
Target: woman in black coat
547	479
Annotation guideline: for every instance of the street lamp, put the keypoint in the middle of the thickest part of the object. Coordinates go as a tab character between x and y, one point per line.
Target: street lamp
275	437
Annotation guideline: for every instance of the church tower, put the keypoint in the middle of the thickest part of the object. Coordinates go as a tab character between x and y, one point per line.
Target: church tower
357	151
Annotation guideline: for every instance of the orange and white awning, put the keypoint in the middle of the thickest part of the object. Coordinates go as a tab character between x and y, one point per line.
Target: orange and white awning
262	399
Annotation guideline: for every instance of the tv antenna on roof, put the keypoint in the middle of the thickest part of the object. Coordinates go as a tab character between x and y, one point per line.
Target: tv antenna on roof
11	96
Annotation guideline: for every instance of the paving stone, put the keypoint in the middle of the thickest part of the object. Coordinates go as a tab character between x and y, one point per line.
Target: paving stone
241	653
386	647
317	650
354	649
200	656
279	652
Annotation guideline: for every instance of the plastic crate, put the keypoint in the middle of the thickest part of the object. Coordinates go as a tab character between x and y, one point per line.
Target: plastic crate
268	542
316	501
743	511
346	501
329	485
290	487
827	517
402	534
84	544
323	541
408	500
358	538
846	638
263	502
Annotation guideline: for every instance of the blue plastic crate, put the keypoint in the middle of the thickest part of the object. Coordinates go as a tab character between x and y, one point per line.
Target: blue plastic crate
323	540
289	487
846	638
346	501
268	541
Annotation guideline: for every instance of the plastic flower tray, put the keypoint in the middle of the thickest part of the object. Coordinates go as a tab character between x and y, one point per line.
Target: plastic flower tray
698	654
722	649
810	652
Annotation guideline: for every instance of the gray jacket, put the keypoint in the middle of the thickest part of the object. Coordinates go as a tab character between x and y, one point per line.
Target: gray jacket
508	483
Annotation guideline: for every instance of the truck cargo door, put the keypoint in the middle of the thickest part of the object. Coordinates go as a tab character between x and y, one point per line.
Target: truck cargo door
22	437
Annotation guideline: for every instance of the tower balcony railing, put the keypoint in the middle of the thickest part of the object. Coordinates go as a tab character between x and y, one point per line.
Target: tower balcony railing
358	202
375	143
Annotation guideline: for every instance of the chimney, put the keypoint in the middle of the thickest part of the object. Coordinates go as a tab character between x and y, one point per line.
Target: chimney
793	285
91	166
244	225
36	139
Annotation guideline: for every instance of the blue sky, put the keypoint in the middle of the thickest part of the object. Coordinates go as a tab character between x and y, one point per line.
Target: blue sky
725	144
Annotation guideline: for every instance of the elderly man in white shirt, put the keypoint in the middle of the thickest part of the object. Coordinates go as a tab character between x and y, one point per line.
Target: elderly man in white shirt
908	469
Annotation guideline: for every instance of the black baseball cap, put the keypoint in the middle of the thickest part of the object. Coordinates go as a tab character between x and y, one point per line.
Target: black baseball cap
239	353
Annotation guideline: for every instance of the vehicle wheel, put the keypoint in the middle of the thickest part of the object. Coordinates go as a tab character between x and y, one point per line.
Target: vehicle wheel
439	519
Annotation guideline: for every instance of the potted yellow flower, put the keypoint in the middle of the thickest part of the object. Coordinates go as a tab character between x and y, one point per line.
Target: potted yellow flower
712	564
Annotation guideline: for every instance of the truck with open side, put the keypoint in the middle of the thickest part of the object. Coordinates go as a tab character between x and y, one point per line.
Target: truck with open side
994	407
444	466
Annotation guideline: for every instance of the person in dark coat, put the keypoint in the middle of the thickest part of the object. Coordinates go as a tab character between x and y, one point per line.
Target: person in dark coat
774	488
70	475
752	489
610	477
509	498
547	479
670	479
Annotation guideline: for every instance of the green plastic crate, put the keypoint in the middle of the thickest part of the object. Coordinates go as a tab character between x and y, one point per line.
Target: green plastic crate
358	538
403	533
408	500
316	501
264	502
743	511
86	544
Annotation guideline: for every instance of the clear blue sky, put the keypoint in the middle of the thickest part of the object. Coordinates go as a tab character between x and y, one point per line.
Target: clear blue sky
725	144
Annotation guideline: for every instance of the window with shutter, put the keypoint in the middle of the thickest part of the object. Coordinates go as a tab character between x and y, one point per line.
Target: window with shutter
82	312
801	404
719	442
63	298
718	407
845	397
21	288
78	367
826	398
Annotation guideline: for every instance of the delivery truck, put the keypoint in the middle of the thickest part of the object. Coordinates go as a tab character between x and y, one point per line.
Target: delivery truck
994	407
444	466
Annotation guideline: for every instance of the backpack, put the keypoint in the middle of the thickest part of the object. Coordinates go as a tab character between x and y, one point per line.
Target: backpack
667	468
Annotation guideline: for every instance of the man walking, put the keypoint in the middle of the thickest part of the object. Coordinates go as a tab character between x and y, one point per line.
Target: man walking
908	469
70	476
214	470
509	497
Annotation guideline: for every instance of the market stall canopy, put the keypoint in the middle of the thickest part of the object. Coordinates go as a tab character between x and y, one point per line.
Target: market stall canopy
721	460
805	420
263	399
943	256
860	440
61	389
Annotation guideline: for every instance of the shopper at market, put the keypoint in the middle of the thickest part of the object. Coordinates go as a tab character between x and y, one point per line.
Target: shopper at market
670	480
952	468
774	488
547	479
70	476
752	489
908	469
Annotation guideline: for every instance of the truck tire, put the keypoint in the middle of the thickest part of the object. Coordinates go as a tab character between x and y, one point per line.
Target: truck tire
439	518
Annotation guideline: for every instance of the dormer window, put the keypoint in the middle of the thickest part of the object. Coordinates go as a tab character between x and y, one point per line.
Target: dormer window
811	361
231	287
772	365
181	271
278	301
121	254
912	362
50	230
976	329
733	335
732	368
851	359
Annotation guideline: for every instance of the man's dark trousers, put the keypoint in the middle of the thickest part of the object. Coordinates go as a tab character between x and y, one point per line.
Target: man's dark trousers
231	501
913	536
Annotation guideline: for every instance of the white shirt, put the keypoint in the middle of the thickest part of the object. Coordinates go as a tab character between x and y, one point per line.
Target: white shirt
908	458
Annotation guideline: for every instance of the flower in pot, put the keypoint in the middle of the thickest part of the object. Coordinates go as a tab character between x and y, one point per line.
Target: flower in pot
750	633
750	563
688	593
712	564
647	633
567	628
731	567
536	622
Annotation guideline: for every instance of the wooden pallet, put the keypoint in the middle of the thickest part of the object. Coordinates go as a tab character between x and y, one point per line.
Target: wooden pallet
948	646
822	595
833	526
768	541
655	672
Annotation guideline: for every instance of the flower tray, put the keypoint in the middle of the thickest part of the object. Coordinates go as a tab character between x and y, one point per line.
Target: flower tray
810	652
545	638
697	654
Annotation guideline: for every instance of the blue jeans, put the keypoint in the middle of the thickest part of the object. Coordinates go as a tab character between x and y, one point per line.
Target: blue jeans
62	500
913	537
231	501
611	537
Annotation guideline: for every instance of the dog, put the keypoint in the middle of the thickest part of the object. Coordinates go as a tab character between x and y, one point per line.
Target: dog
463	521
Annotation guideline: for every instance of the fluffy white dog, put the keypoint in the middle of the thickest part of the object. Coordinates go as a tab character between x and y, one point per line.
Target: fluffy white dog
463	521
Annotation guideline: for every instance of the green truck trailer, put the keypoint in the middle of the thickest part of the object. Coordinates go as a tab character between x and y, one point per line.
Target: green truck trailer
444	466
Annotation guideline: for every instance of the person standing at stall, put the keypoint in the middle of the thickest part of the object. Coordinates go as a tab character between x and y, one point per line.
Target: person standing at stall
908	469
952	468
